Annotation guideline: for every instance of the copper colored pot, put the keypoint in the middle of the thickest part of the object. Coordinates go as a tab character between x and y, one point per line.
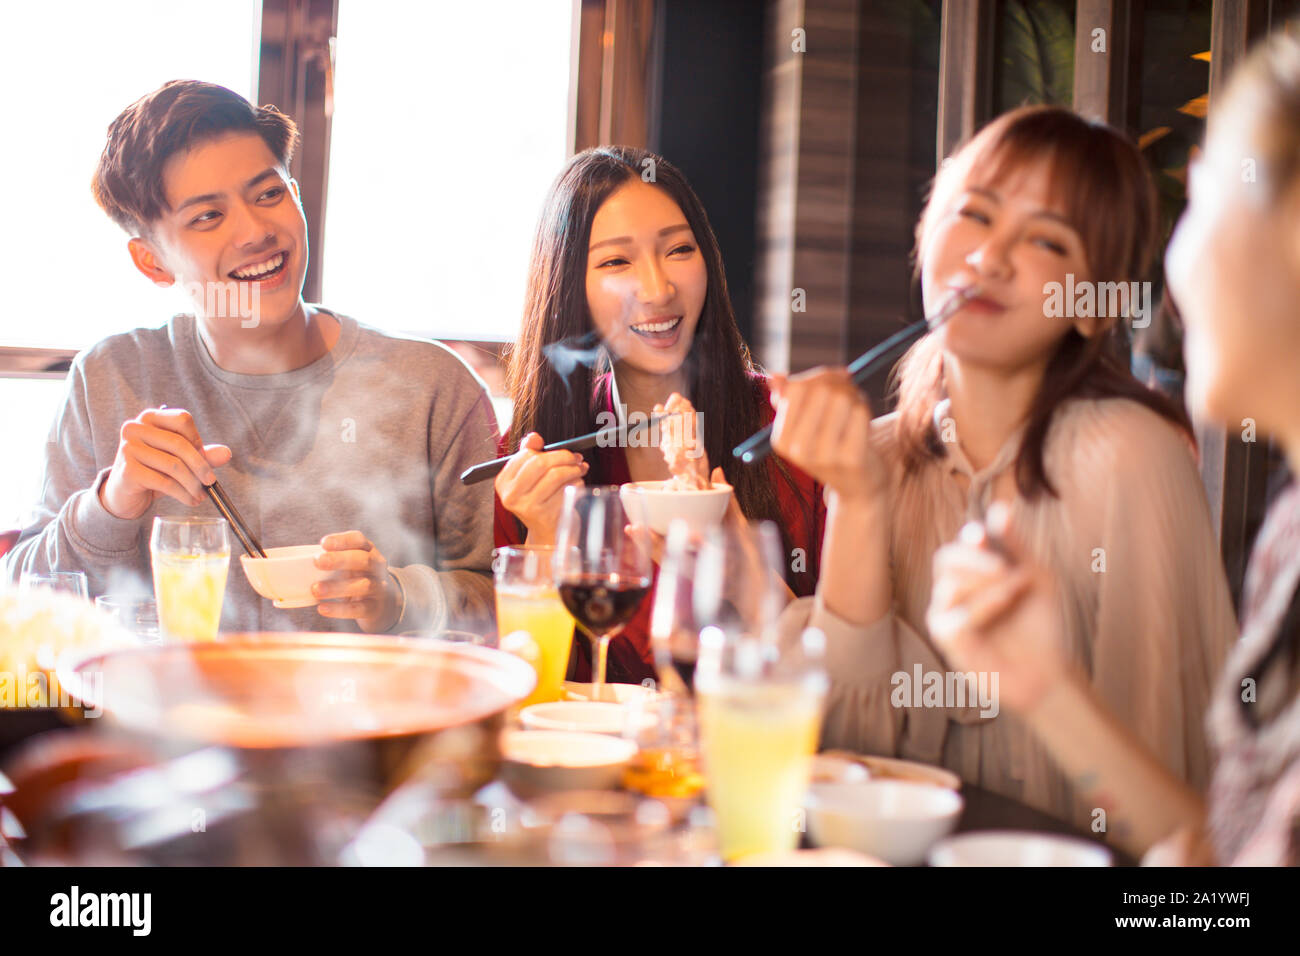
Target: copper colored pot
316	709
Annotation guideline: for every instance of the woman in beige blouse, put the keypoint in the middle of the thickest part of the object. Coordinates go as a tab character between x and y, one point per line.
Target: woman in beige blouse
1234	265
1017	399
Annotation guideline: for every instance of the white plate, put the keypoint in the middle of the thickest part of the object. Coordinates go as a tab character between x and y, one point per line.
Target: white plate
1012	848
890	768
555	748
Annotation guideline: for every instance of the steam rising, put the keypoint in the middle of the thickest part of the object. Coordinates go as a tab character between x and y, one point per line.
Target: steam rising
567	354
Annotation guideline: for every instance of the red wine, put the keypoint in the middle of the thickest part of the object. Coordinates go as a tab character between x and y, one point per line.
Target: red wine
602	603
685	669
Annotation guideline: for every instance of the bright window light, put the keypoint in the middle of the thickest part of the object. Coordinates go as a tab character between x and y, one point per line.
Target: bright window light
449	125
67	70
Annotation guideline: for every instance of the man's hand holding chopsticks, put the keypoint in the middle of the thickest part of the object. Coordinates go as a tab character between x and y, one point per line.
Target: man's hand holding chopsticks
160	453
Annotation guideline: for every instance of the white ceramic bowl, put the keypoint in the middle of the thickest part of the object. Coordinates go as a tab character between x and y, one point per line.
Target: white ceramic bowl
535	762
1010	848
894	820
581	716
648	504
286	575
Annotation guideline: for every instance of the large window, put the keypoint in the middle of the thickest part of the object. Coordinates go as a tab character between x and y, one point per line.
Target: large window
66	70
449	125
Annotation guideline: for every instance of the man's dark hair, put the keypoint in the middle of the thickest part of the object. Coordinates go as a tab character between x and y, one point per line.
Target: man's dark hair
128	183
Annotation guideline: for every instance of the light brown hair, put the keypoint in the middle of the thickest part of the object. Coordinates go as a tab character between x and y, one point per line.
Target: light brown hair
1110	201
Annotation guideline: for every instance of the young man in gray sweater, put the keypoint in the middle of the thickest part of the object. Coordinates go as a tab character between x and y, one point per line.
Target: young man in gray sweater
314	423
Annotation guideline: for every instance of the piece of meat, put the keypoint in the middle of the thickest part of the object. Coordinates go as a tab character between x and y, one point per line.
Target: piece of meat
681	441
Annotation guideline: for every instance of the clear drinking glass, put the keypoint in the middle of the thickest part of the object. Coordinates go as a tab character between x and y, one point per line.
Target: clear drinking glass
528	602
137	615
191	558
728	576
602	572
64	582
759	707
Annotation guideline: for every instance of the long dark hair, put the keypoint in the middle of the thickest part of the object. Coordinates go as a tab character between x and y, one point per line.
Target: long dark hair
557	362
1111	202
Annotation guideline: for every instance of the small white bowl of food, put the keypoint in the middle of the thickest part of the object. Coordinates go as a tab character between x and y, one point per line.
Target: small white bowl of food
689	494
286	575
535	762
893	820
655	504
1011	848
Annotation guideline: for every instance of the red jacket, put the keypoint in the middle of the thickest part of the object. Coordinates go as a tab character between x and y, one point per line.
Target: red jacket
631	659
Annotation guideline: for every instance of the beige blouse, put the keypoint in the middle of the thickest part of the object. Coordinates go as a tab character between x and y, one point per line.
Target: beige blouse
1147	610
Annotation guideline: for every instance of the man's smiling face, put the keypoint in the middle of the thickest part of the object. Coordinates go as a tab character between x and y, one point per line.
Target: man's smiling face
233	219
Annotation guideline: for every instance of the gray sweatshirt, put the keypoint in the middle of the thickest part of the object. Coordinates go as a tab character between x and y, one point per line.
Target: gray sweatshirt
370	437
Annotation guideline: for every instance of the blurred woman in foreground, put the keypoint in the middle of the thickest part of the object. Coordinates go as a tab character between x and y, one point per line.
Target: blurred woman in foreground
1234	268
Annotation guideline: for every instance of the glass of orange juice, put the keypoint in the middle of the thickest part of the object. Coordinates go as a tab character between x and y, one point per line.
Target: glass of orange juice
528	602
191	557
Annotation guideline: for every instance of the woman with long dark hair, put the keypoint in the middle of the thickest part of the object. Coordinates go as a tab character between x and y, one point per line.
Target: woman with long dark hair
626	305
1043	217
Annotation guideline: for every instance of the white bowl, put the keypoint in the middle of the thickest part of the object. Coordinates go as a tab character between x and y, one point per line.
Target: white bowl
648	504
548	761
580	716
894	820
1009	848
286	575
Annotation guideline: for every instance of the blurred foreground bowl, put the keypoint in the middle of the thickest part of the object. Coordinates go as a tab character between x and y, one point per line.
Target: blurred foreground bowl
892	820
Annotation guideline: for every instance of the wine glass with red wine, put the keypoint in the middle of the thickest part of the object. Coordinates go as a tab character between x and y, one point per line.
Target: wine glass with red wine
602	572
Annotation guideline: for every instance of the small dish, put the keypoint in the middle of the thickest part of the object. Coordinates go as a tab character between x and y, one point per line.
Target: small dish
1012	848
580	716
535	762
286	575
893	820
648	504
891	768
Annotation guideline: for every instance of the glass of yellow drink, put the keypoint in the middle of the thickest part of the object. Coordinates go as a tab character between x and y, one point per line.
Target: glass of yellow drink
527	601
759	712
191	557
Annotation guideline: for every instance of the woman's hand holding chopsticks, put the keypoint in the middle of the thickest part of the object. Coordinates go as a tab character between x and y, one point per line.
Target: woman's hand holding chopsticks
823	426
160	454
532	486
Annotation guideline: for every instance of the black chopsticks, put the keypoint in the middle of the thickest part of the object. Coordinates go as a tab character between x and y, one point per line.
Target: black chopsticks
227	508
221	501
759	445
490	469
